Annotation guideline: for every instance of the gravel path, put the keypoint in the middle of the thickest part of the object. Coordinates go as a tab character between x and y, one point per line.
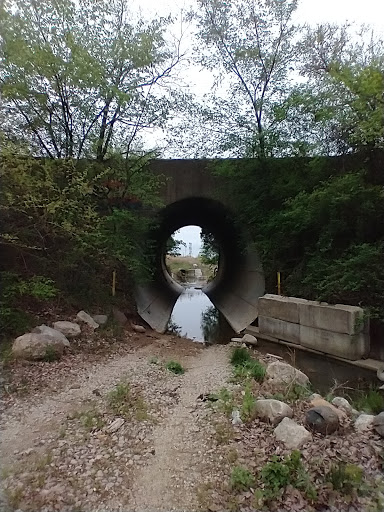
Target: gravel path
170	481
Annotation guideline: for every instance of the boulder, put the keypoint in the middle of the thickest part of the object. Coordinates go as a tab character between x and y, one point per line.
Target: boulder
283	373
320	402
293	436
273	410
343	404
236	340
70	329
322	419
378	424
138	328
87	319
36	346
100	319
364	422
119	317
55	333
248	338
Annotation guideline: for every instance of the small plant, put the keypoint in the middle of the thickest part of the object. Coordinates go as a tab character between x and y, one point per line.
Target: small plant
120	399
175	367
225	401
240	356
223	433
90	419
345	478
278	473
241	479
154	360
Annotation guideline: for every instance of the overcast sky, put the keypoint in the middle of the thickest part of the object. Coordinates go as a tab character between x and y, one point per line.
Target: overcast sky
370	12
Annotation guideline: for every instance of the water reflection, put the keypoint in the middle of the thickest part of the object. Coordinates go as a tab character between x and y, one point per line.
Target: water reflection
195	317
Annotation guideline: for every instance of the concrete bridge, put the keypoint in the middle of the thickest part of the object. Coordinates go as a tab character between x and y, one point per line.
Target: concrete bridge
190	197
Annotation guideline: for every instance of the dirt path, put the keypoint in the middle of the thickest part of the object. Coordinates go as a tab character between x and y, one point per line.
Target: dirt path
171	480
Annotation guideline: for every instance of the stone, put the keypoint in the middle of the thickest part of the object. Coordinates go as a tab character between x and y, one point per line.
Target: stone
273	410
55	333
100	319
138	328
283	373
378	424
87	319
280	329
320	402
293	436
236	340
36	346
280	307
342	403
115	425
340	318
322	419
236	420
364	422
119	317
248	338
69	329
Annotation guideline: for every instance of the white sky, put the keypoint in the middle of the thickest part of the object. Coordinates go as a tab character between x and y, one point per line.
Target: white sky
370	12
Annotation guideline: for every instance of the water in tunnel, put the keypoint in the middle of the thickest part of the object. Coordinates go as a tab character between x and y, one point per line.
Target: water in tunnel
239	280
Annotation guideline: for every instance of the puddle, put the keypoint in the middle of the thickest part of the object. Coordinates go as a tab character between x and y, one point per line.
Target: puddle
195	317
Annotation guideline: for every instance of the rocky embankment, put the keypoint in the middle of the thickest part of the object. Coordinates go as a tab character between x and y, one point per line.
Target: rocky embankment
138	421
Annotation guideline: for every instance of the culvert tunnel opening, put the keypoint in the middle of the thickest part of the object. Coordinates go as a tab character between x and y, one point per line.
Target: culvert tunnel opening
239	281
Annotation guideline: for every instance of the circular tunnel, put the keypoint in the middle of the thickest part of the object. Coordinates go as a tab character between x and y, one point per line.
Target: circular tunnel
239	281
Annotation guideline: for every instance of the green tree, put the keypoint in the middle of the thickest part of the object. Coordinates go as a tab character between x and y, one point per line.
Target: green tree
81	79
173	247
249	46
210	250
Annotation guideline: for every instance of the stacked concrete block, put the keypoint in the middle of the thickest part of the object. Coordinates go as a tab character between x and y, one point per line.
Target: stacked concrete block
339	330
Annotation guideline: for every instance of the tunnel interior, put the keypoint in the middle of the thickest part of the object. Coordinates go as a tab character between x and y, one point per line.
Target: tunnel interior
239	280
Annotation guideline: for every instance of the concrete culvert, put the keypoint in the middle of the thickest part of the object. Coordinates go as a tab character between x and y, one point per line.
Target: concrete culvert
239	281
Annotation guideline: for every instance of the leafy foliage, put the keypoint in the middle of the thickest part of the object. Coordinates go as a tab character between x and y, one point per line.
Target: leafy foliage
241	478
175	367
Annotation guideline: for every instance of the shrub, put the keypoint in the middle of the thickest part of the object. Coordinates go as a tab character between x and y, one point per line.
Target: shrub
240	356
371	401
345	478
175	367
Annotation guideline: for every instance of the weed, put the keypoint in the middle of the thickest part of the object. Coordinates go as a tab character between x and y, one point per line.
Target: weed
278	473
14	496
223	433
50	354
240	355
175	367
44	461
371	401
241	479
232	455
226	401
124	403
141	409
248	407
90	419
345	478
154	360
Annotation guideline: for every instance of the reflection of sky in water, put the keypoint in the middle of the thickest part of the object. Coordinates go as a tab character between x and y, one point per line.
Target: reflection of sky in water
187	313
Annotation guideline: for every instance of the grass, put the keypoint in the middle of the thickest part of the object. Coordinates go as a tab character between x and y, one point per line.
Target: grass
345	478
223	433
245	367
240	356
124	403
175	367
371	401
90	419
51	354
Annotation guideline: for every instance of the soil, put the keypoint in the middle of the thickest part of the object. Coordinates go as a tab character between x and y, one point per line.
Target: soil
174	446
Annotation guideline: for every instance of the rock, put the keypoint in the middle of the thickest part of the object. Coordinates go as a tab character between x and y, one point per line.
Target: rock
87	319
378	424
315	396
115	425
55	333
236	420
273	410
293	436
342	403
100	319
236	340
119	316
322	419
70	329
320	402
37	346
364	422
283	373
138	328
248	338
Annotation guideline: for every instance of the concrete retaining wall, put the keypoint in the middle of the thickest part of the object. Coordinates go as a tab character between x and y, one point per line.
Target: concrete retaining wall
339	330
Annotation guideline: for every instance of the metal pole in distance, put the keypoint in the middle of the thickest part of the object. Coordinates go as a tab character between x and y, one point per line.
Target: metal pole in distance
113	283
278	283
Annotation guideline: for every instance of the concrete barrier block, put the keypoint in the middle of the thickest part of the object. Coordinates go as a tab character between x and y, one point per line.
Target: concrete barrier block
280	329
343	345
282	308
339	318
